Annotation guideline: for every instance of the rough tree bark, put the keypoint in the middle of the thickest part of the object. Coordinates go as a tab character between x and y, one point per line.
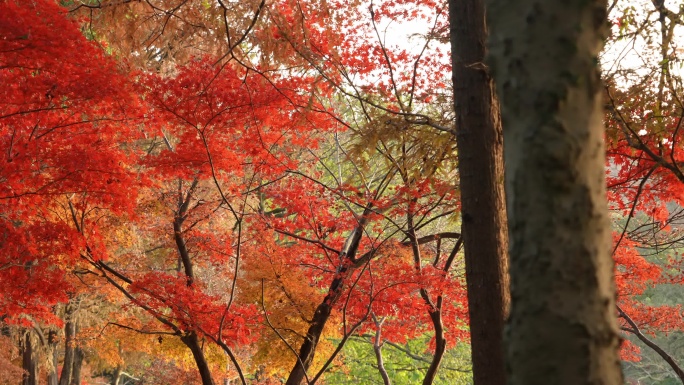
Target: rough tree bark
562	327
29	363
53	378
69	336
479	139
78	364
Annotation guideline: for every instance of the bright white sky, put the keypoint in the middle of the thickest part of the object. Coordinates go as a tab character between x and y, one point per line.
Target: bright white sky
640	54
636	54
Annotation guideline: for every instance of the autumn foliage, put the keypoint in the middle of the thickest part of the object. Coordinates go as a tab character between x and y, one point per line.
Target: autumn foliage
194	188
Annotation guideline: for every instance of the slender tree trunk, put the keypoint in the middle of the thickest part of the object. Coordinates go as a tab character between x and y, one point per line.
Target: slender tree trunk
68	364
313	334
52	378
479	139
78	364
308	349
377	348
192	342
29	363
117	375
190	339
179	218
634	329
563	326
435	312
434	308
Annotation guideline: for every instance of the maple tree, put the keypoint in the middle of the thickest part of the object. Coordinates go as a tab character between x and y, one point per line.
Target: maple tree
190	158
308	351
64	125
643	119
65	120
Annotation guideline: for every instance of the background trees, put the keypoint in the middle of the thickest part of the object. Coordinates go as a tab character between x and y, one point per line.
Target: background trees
246	198
643	86
66	121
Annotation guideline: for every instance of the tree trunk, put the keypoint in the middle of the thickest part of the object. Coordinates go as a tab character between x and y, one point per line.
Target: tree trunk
52	378
29	363
479	139
562	327
67	366
377	348
78	364
313	334
322	313
179	218
440	342
191	341
116	377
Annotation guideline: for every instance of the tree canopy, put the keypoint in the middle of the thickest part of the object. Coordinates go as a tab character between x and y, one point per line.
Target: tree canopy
268	192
